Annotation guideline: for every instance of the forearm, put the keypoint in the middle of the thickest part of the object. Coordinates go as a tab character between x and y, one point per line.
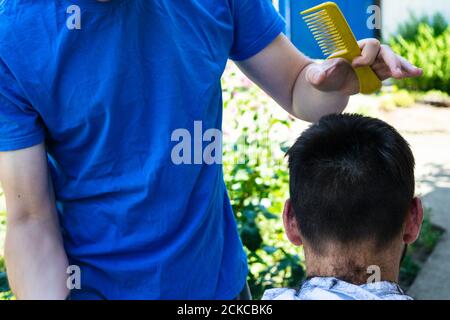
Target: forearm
290	78
310	104
310	90
35	259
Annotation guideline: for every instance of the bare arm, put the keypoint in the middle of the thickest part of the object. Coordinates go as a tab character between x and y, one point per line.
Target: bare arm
35	258
309	90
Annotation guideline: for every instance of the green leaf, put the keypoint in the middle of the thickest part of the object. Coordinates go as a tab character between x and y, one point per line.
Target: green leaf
4	286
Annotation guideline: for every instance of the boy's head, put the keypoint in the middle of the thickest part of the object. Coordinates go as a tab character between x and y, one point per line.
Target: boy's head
352	199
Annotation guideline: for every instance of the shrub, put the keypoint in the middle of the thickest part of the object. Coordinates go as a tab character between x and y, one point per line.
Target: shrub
410	29
430	52
256	134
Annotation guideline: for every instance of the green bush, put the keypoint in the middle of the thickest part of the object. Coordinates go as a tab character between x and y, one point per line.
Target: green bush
429	50
255	141
410	29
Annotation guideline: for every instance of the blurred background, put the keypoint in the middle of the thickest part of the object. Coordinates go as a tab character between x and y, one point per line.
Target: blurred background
257	133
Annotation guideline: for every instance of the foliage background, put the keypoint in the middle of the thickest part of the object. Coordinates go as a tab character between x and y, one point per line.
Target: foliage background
426	43
257	133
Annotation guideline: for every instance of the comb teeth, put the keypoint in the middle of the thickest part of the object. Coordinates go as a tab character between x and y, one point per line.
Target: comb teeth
325	32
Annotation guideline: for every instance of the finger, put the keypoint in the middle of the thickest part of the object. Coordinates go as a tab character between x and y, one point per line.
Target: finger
370	49
392	61
380	68
318	73
329	75
384	74
382	71
399	67
334	66
409	69
315	74
340	76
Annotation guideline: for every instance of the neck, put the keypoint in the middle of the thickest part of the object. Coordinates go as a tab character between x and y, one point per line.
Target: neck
355	265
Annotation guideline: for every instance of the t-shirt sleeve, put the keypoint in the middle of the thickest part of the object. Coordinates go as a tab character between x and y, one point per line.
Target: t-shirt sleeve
20	124
256	25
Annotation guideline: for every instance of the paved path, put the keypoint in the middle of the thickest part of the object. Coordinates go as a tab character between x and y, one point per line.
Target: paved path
428	132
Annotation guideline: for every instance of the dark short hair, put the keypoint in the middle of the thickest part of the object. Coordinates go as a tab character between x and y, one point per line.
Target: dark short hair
351	179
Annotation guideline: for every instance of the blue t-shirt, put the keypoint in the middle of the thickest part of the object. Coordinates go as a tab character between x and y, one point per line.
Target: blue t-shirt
105	85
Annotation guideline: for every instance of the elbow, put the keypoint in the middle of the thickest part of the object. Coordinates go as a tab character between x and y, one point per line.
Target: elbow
21	211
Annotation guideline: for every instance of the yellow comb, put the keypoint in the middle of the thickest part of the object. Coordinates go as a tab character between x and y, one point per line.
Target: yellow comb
336	40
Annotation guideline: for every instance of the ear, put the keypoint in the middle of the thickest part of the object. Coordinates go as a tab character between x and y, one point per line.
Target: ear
414	221
291	225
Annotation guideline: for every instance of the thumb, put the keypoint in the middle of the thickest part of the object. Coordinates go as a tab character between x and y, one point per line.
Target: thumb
315	74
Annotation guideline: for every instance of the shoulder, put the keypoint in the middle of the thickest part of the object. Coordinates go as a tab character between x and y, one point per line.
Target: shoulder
280	294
